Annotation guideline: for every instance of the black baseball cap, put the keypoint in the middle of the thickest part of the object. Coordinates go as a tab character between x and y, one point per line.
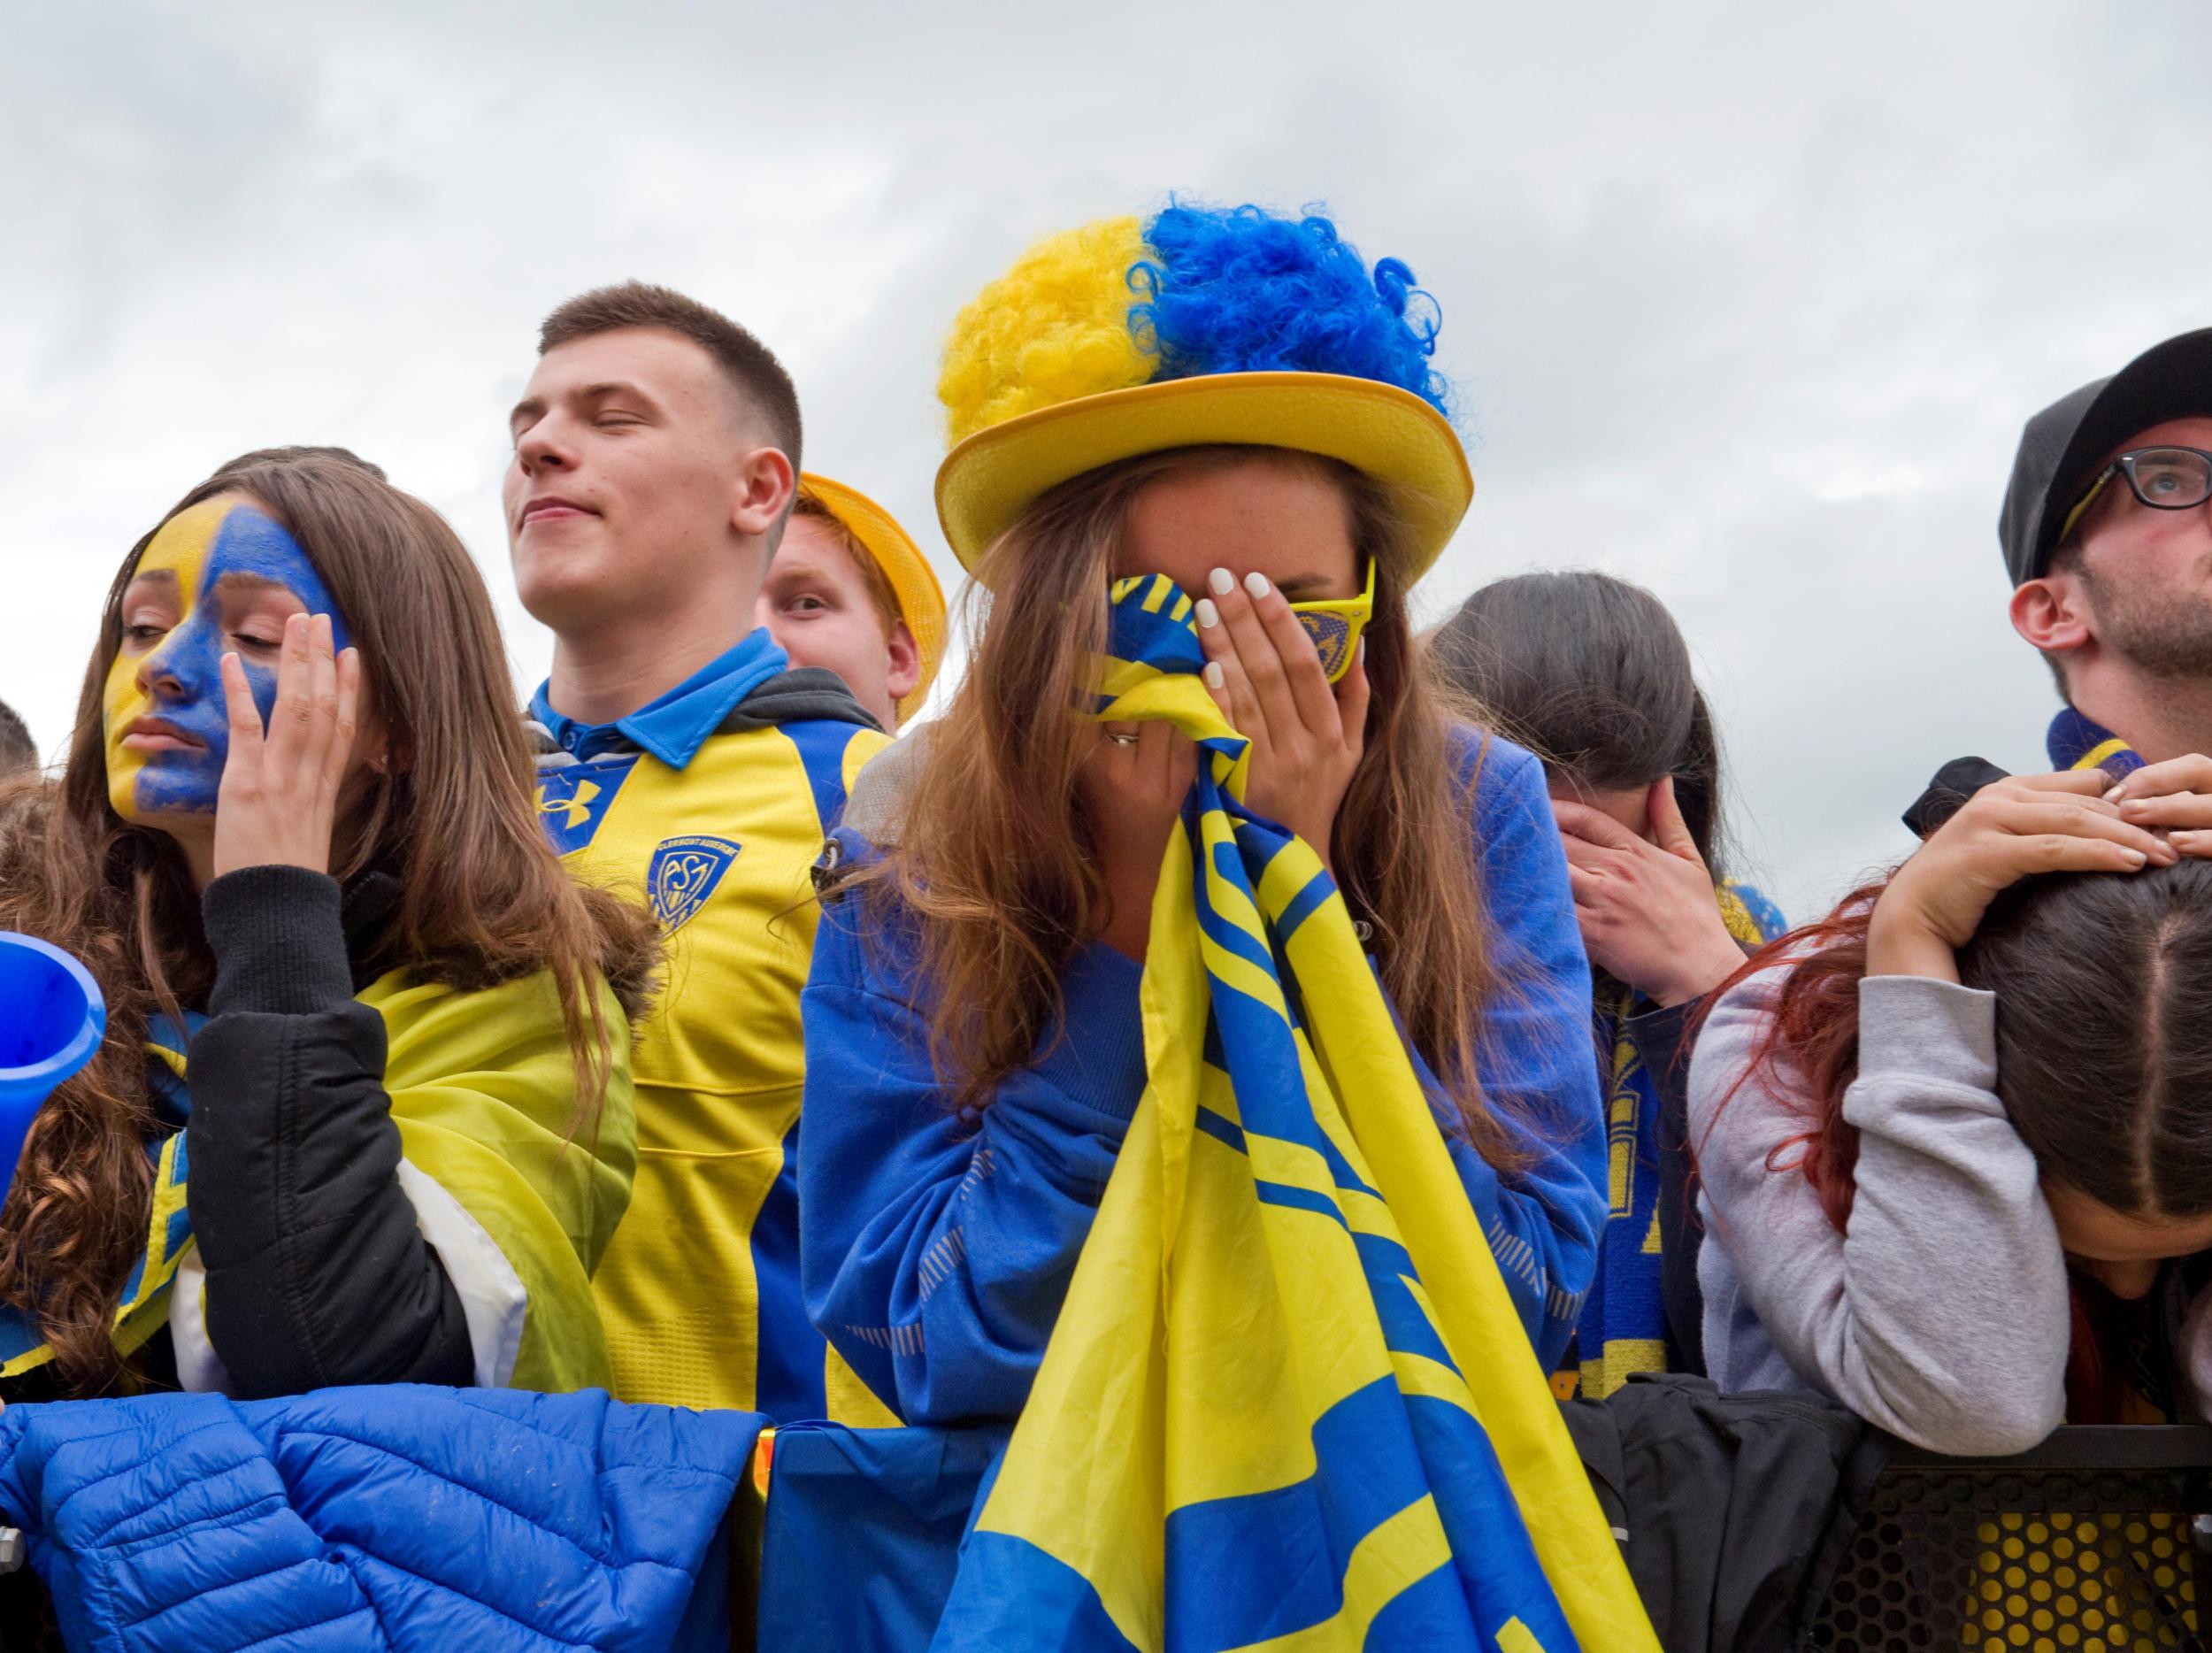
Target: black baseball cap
2060	449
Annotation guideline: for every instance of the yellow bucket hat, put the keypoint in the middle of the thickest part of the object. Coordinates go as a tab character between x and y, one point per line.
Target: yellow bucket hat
913	582
1124	337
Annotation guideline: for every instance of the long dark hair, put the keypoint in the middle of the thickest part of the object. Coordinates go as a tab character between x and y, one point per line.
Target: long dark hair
483	899
2103	983
1591	675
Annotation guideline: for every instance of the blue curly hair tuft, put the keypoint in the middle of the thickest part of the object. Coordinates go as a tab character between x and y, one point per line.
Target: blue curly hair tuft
1241	289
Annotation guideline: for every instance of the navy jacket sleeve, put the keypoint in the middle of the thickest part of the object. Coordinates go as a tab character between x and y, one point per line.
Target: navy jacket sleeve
1662	1045
316	1274
1538	1062
936	1250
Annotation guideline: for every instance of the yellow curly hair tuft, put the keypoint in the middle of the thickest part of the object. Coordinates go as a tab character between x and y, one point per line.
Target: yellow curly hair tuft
1053	328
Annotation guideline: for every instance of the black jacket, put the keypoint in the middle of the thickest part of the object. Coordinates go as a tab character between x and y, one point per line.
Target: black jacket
1662	1045
1733	1511
316	1273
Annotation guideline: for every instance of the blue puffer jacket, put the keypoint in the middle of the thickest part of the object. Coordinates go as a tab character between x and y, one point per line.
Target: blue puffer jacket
373	1520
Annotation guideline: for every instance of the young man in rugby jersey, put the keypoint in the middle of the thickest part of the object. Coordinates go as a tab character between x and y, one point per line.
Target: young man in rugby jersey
656	453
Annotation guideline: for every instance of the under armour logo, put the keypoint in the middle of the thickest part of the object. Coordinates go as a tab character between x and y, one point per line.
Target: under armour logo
574	811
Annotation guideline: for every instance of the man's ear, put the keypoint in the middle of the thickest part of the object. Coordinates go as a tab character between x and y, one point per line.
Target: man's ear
2054	613
761	491
906	662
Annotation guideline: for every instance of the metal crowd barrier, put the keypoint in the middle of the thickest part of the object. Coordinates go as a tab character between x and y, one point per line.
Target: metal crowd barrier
2095	1543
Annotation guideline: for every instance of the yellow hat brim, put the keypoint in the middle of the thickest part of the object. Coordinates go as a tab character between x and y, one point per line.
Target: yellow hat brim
913	582
1390	434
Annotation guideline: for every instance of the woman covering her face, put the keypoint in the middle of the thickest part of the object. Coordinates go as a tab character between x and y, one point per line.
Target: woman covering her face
363	1110
1954	1138
1593	673
976	1047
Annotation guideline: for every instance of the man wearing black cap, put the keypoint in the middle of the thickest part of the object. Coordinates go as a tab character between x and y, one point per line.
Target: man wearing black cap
2106	531
2108	535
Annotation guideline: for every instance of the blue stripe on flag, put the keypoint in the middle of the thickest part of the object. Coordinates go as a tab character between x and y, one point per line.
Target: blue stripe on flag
1301	906
1007	1587
1432	1613
1295	1198
1221	1130
1233	938
1491	1548
1405	1325
1245	1569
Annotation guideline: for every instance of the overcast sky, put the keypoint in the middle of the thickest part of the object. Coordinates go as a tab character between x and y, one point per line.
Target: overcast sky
1745	303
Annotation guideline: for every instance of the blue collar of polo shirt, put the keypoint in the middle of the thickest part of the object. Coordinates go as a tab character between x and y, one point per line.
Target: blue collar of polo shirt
673	727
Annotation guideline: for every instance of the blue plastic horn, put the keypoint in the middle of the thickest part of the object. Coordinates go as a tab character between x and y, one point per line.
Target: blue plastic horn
51	1018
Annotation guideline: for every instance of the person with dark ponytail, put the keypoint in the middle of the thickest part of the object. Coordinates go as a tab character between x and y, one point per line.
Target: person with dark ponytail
1591	673
1955	1138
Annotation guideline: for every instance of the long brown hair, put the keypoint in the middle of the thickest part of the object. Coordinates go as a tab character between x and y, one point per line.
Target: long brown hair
482	900
995	856
2103	984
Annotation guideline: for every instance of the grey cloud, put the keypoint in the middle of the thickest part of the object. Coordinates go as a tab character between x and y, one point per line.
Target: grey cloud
1747	303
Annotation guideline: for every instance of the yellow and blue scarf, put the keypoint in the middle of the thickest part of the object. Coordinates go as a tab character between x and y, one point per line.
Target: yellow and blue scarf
2077	742
1288	1402
1623	1328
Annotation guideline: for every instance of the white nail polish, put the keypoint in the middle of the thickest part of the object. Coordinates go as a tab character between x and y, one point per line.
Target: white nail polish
1222	581
1212	674
1255	582
1208	614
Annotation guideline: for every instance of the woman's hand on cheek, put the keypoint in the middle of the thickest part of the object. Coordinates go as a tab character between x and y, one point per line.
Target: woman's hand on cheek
1132	787
1307	734
278	798
1647	911
2009	830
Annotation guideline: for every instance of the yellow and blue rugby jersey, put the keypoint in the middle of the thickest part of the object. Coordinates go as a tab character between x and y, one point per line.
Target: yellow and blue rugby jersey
715	807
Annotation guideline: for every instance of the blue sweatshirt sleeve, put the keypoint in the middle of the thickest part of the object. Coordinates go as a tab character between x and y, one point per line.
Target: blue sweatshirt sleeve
1538	1062
936	1250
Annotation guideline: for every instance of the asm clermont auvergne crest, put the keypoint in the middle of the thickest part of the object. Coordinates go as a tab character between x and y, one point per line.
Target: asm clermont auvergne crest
683	873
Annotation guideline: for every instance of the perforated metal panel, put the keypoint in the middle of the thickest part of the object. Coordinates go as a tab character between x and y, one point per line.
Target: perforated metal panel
2088	1545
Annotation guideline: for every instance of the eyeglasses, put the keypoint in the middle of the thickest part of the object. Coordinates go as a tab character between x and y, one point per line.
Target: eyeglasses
2165	479
1335	623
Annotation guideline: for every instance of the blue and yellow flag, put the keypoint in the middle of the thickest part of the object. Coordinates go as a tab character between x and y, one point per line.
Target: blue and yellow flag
1289	1404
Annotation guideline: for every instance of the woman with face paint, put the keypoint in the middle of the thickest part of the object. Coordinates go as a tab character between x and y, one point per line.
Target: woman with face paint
363	1111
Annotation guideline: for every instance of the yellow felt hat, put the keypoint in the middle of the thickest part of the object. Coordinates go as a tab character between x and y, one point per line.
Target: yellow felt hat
1121	337
1390	434
913	582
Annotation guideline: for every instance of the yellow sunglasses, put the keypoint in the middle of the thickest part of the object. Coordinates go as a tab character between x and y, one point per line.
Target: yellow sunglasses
1335	623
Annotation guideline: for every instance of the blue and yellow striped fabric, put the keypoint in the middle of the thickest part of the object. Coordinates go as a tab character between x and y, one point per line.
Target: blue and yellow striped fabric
2077	742
1289	1404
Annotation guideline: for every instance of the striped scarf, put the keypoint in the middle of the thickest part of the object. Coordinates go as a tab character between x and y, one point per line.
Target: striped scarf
1623	1328
143	1308
2077	742
1288	1401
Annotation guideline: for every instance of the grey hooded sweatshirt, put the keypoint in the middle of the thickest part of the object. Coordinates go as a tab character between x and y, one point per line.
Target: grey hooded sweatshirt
1941	1313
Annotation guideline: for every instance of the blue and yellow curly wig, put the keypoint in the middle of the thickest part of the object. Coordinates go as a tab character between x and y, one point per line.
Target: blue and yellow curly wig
1203	325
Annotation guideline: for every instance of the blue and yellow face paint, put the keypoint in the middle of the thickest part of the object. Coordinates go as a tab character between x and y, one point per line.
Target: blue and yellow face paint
219	577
